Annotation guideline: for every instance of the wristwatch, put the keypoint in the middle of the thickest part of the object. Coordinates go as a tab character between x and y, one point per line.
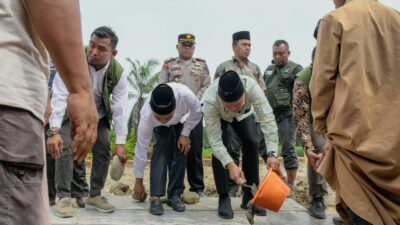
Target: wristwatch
272	153
52	131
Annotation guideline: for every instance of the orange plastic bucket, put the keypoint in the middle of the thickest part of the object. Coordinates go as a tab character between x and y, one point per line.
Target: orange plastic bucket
272	192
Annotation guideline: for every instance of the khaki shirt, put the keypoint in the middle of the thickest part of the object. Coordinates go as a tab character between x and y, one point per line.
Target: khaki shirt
255	102
248	68
24	61
193	73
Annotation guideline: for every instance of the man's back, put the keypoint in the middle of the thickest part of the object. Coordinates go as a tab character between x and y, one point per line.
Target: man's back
356	101
368	65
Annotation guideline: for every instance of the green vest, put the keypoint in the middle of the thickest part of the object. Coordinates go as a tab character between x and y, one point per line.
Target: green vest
111	78
305	75
279	82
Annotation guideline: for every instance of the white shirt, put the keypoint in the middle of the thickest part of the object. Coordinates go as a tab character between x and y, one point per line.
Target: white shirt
187	111
119	101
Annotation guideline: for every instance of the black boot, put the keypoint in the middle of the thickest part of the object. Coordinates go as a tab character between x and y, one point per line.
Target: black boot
225	208
258	211
317	209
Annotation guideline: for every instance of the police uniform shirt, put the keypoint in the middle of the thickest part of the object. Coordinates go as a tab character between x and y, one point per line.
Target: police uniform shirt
193	73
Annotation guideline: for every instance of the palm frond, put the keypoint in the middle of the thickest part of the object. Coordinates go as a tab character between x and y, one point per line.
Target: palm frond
142	79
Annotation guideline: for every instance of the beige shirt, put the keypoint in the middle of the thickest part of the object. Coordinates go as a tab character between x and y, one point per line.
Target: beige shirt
24	61
255	102
193	73
247	68
356	103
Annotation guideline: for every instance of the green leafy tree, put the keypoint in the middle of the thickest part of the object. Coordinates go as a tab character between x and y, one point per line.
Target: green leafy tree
142	80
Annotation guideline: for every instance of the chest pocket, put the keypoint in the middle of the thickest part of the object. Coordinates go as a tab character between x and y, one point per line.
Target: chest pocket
176	74
277	92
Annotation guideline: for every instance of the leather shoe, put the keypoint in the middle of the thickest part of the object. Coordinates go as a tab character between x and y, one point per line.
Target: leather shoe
156	207
258	211
176	203
225	208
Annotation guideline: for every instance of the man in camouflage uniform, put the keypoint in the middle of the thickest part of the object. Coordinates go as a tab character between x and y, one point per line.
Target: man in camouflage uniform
194	73
279	78
240	63
311	141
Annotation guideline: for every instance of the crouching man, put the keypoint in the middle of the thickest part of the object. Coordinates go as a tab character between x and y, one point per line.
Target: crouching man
171	112
233	100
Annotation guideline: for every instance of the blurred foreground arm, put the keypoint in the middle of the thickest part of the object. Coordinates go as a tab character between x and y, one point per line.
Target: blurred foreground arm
58	25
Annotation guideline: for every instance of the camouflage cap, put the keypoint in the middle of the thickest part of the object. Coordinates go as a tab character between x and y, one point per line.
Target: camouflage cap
186	38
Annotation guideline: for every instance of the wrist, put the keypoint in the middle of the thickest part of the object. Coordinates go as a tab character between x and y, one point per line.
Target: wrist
139	180
272	154
231	165
53	131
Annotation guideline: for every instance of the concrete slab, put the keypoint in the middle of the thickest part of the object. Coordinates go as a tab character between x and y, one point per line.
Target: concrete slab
129	211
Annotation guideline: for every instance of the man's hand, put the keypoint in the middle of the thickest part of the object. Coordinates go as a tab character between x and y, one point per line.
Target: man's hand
235	173
326	148
84	119
273	163
139	192
313	158
120	152
183	144
55	145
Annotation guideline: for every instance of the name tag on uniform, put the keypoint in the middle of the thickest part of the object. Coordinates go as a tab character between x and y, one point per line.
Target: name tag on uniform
269	72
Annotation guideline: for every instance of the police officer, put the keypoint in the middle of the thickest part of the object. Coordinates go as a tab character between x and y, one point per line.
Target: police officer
194	73
279	78
241	46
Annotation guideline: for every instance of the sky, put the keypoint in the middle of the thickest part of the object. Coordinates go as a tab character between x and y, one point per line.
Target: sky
150	28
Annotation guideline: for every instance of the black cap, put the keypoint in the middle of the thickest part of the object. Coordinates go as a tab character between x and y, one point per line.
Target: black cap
162	99
230	87
241	35
316	30
187	38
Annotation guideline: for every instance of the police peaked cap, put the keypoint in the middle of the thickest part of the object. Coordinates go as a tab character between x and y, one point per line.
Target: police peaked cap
187	38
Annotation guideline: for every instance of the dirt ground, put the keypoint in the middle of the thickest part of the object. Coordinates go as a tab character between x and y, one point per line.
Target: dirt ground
299	192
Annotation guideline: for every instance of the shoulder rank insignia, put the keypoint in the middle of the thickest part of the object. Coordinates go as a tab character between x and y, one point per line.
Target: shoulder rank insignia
199	59
169	60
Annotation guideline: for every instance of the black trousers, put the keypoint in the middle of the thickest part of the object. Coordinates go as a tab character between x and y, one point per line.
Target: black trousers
355	219
194	167
234	146
50	170
166	157
248	135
